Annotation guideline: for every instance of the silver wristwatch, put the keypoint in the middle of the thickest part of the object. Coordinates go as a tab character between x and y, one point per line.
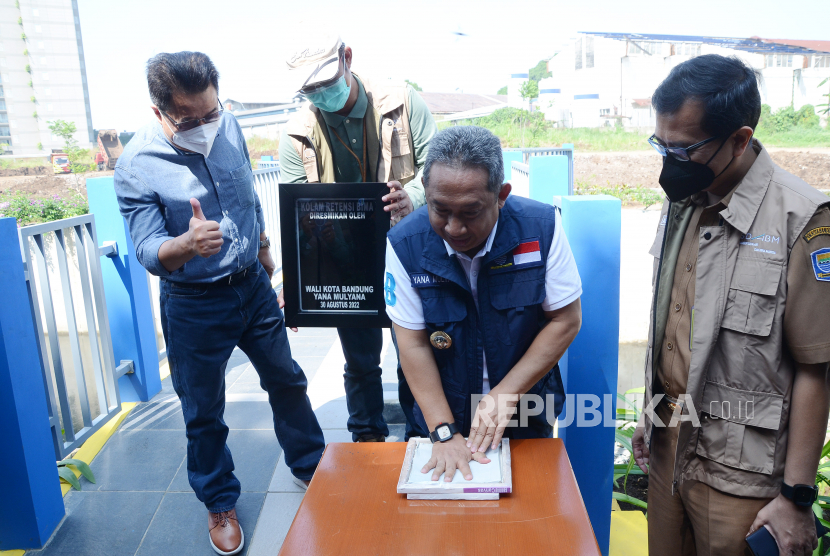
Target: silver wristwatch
265	243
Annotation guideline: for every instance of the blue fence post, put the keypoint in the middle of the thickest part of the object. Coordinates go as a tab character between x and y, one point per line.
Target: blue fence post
592	225
127	289
548	177
31	493
509	157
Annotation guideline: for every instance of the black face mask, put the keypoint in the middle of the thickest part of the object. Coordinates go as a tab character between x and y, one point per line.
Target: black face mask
681	179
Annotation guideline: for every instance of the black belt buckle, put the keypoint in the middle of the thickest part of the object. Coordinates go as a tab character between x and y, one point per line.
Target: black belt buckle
239	275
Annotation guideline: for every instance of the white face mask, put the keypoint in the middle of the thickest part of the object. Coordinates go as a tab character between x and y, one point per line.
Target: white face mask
199	139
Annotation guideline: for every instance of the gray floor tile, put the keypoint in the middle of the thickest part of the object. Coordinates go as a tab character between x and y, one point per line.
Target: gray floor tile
138	460
333	414
255	455
181	525
283	480
249	416
274	521
166	415
102	523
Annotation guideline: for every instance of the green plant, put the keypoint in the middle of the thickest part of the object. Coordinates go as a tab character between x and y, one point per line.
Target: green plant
17	4
628	194
33	99
23	36
25	51
34	114
539	71
20	21
67	475
31	84
28	68
413	85
40	146
502	91
78	157
29	210
825	108
629	416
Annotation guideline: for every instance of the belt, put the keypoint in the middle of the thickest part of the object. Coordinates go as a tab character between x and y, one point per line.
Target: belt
229	280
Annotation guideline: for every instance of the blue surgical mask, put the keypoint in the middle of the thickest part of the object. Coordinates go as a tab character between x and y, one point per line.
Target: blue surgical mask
333	98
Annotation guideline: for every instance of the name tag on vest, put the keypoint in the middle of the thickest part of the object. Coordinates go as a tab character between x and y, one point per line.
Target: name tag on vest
427	281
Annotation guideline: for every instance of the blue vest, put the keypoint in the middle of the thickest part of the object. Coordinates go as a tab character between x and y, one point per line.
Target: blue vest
509	313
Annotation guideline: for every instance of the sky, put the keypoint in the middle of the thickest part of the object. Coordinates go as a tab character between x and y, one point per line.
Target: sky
248	40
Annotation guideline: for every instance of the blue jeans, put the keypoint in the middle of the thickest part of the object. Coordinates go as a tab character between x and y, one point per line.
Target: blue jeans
202	326
362	377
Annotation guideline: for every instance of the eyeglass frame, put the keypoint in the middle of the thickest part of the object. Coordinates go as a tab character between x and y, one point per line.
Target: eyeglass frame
212	117
664	150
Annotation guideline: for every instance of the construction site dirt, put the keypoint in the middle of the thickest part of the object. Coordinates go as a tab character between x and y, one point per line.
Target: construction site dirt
639	168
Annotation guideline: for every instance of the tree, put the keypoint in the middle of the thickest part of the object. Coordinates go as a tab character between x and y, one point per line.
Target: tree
413	85
540	71
529	90
502	91
66	131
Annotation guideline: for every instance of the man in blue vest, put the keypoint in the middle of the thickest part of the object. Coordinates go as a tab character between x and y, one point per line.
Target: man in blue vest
483	292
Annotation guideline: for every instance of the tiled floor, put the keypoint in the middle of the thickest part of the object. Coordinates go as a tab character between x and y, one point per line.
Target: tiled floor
141	502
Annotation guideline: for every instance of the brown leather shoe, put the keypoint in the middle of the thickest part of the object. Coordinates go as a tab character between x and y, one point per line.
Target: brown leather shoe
225	534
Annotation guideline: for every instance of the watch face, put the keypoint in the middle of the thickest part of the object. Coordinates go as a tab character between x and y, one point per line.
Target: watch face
443	432
803	495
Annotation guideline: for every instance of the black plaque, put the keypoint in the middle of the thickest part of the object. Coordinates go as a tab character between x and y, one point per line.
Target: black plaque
333	254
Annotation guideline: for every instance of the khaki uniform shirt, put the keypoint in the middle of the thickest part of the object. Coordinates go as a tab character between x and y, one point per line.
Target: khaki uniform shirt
741	297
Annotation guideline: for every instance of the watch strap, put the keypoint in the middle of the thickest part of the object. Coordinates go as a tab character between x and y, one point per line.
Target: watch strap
789	492
453	428
263	243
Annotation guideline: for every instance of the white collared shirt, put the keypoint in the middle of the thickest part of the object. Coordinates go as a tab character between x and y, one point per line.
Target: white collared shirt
562	283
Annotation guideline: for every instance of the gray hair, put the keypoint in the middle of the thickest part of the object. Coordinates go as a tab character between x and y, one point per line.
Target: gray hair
467	146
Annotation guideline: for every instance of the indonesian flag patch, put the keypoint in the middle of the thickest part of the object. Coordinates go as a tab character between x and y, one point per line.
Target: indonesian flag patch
527	252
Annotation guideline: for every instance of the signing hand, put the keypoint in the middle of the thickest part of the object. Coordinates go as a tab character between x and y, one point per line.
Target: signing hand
641	453
792	527
449	456
204	236
490	420
399	202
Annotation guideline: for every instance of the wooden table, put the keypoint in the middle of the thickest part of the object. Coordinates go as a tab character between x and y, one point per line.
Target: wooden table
352	508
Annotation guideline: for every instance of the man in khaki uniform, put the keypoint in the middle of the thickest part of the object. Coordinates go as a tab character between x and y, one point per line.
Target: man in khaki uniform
736	393
356	130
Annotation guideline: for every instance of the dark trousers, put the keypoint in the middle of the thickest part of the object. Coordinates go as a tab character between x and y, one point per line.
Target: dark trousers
362	377
202	326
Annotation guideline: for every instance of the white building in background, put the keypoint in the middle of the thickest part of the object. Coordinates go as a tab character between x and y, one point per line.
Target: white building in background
42	74
599	79
263	119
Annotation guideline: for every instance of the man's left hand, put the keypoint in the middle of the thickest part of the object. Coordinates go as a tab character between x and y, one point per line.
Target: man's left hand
792	527
491	418
399	202
267	261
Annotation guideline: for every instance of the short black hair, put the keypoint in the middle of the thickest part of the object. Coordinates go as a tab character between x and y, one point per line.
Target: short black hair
725	86
180	72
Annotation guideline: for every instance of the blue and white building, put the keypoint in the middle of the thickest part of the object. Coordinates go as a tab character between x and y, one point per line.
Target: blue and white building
601	78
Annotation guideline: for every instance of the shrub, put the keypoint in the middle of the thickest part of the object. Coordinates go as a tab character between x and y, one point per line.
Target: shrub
35	211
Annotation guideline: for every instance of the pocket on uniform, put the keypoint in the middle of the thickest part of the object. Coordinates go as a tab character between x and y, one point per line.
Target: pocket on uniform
186	290
243	182
739	428
751	301
403	163
515	302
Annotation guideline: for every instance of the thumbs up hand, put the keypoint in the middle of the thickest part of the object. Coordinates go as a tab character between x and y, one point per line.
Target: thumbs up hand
204	236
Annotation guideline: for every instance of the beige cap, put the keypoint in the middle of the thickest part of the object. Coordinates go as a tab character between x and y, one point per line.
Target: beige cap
315	61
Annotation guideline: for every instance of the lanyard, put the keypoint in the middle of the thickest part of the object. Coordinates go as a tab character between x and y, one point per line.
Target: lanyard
362	164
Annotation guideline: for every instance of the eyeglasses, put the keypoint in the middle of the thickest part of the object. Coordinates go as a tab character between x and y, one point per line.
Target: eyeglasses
190	124
680	153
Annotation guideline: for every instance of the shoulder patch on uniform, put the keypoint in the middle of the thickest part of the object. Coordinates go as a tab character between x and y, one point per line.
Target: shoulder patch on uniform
527	253
389	290
820	231
821	264
427	280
